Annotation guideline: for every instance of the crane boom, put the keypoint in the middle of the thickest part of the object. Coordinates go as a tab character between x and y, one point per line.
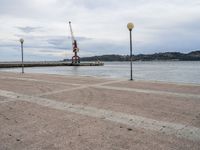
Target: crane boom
72	34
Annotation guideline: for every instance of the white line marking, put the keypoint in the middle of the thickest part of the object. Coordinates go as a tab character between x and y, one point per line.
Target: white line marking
108	82
103	86
150	91
179	130
168	82
7	100
64	90
36	80
78	88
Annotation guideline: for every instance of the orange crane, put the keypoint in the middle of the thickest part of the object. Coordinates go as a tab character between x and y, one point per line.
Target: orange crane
75	58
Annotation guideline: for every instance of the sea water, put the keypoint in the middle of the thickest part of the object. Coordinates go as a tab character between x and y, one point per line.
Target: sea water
169	71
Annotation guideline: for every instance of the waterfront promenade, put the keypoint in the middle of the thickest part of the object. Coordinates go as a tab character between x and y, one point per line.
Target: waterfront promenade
54	112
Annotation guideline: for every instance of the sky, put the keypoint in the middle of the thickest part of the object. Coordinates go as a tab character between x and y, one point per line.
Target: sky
100	27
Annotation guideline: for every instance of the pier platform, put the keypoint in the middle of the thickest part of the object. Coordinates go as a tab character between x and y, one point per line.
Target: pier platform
47	63
55	112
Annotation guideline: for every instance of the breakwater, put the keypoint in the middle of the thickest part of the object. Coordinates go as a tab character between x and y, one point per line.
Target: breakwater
47	63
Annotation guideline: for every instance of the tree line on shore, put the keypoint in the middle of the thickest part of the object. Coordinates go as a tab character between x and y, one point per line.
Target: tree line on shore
176	56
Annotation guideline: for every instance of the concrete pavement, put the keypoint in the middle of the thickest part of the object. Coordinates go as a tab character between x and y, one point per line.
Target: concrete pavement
40	111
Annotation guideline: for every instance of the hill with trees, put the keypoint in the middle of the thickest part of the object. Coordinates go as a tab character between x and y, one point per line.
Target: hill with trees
175	56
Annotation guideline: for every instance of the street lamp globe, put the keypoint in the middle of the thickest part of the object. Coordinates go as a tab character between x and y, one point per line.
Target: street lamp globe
130	26
21	40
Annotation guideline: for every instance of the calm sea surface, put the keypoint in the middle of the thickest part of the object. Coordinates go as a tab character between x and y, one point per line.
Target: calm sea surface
170	71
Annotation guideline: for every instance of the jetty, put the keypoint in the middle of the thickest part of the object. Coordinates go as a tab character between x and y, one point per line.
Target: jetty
41	111
47	63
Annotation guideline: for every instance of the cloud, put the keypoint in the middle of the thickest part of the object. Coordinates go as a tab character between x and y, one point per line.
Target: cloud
99	26
28	29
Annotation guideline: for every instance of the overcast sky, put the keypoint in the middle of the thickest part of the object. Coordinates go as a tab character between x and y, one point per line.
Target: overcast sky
99	27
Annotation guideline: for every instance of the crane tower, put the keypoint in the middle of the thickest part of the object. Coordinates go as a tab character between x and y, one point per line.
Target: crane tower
75	58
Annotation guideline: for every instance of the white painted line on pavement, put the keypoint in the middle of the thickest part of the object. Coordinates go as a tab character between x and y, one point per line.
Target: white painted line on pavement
7	100
63	90
179	130
37	80
78	88
150	91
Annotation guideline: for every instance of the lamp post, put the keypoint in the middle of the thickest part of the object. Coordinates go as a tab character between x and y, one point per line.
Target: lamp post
22	41
130	26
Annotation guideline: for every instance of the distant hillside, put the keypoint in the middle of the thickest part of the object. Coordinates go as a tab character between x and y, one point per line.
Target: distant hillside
192	56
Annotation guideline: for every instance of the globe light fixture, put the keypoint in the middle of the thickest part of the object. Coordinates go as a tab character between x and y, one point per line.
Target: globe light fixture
21	40
130	26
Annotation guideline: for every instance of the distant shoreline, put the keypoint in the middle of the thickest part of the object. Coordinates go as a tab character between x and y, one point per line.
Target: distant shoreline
85	61
167	56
